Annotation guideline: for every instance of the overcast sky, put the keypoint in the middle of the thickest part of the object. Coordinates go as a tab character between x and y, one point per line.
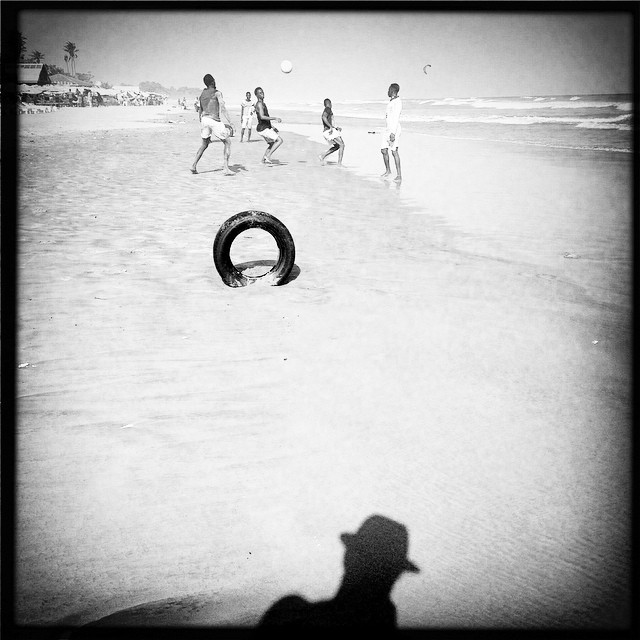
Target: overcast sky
346	55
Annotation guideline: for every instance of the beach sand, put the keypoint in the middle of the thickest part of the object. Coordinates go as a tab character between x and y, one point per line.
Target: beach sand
188	453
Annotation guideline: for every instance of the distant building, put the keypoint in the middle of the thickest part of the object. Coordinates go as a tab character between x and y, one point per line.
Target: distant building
32	73
60	78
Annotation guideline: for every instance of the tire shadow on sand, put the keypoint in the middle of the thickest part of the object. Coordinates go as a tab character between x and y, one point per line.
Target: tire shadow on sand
259	268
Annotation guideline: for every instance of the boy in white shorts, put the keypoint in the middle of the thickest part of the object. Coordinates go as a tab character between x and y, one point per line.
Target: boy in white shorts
264	128
246	116
210	107
391	138
331	133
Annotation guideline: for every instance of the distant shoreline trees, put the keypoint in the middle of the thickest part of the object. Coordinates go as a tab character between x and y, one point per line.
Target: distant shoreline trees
172	92
70	57
152	87
52	69
85	77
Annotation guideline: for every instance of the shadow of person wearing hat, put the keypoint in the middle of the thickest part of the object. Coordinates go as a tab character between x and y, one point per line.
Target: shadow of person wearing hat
375	558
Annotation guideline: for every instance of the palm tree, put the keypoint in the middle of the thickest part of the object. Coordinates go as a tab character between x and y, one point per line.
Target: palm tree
23	46
37	57
66	61
71	49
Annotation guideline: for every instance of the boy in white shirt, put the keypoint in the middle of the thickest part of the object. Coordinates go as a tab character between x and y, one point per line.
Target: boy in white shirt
246	116
392	134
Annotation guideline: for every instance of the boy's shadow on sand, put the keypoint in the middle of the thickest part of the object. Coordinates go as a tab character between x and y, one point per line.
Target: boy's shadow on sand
264	266
375	558
235	168
275	163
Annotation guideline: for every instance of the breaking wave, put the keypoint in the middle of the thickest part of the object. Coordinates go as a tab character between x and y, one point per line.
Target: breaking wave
534	103
622	122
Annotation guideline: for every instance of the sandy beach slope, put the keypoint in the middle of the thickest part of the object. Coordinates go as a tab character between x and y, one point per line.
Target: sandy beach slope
436	358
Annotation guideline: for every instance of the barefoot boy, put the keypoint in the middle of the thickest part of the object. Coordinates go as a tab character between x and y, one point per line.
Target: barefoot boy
332	134
392	135
210	107
264	128
246	115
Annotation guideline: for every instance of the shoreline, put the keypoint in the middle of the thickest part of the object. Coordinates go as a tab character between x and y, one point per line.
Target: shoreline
139	117
437	360
489	172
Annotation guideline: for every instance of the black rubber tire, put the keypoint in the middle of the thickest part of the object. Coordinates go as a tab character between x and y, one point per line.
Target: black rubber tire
232	228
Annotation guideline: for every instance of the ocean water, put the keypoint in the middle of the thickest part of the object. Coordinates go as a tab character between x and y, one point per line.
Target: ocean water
561	189
595	122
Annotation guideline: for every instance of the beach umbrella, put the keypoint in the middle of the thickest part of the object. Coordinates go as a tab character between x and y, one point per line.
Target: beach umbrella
53	88
30	89
106	92
38	89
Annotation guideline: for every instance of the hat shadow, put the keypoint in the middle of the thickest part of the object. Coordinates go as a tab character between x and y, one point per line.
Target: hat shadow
375	559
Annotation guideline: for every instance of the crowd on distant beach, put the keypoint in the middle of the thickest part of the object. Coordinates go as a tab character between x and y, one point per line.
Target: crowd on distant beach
33	102
215	124
45	99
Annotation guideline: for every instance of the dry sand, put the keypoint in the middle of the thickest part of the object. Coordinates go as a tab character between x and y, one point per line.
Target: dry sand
434	360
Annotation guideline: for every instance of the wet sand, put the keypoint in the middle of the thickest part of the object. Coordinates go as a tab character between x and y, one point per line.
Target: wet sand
201	448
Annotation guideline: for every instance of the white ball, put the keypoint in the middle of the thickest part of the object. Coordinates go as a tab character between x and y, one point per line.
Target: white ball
286	66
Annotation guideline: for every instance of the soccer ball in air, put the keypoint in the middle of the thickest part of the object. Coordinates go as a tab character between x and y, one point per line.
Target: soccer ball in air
286	66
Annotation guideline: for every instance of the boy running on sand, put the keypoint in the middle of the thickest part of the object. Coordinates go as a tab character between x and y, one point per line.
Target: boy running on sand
392	135
264	128
331	133
210	107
